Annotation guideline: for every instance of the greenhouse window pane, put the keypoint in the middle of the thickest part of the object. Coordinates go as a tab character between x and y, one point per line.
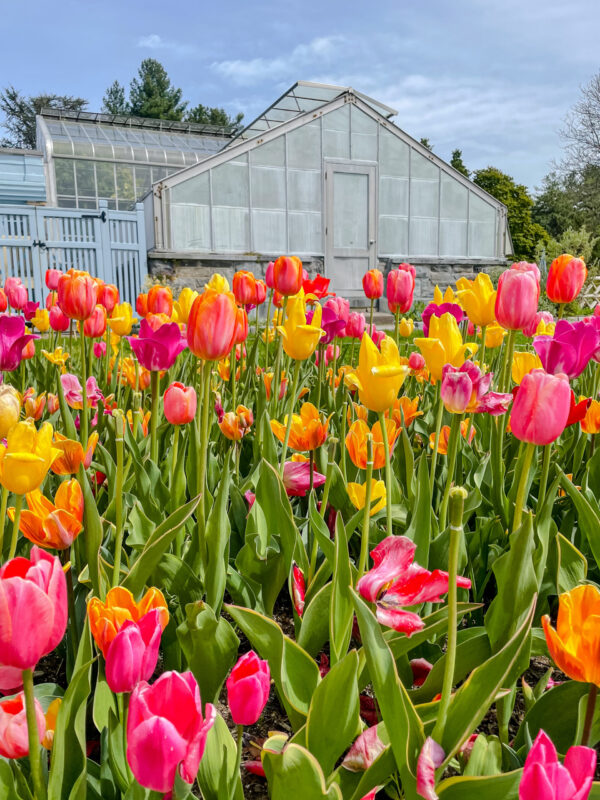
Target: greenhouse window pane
336	133
454	198
232	229
480	210
63	148
83	149
82	202
304	190
268	187
305	233
268	230
393	196
156	156
158	173
271	154
423	168
482	239
424	198
194	191
65	176
350	223
86	178
423	237
125	183
105	177
393	154
453	238
230	185
143	180
393	235
304	146
103	151
364	136
190	227
66	202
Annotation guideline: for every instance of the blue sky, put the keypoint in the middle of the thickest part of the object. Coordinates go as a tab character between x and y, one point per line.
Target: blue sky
495	79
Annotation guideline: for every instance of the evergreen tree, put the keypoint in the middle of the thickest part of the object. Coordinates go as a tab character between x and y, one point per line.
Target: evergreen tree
426	143
114	100
213	116
152	95
457	162
20	113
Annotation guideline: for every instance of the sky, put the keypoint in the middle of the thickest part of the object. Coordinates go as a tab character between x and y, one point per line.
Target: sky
493	79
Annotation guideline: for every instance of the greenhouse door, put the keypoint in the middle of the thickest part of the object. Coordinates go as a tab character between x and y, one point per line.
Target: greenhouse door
349	226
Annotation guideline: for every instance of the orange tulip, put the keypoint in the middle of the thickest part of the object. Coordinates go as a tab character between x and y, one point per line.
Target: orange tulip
95	325
574	644
72	455
356	442
307	432
77	294
144	420
591	422
34	404
361	412
244	287
236	424
268	379
108	296
141	304
107	619
52	525
212	325
566	277
373	284
442	448
160	300
287	275
404	411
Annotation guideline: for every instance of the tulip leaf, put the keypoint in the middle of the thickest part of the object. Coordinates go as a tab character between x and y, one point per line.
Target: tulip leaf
295	673
314	628
475	650
156	546
495	787
210	647
321	531
588	513
340	610
295	774
419	529
7	782
218	763
333	717
572	565
217	535
402	722
92	531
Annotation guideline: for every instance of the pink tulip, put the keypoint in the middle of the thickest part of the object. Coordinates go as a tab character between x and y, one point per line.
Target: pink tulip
355	326
430	758
541	408
248	688
435	310
58	321
541	316
376	335
364	751
298	589
466	389
16	293
296	478
373	284
331	352
400	288
250	498
269	275
570	349
11	680
416	361
166	730
13	340
340	306
133	653
33	608
99	349
30	309
74	393
14	741
545	778
456	390
180	403
52	276
517	297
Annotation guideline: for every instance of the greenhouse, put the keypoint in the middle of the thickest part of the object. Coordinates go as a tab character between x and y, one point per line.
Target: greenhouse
325	174
92	157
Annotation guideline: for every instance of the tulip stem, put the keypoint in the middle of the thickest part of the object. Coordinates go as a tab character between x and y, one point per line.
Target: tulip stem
457	502
388	472
364	542
268	330
15	529
3	518
482	354
84	409
397	326
288	426
520	499
330	464
589	715
343	441
120	425
371	318
544	477
39	788
154	378
452	452
203	455
238	760
66	559
438	426
232	375
277	370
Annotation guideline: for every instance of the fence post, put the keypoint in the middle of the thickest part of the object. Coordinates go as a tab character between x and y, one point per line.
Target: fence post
142	250
104	251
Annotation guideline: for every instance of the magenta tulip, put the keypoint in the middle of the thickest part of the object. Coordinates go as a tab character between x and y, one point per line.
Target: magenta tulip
248	688
52	276
166	730
14	741
517	297
435	310
466	389
16	293
11	680
157	350
33	608
545	778
355	326
58	321
541	408
400	288
12	341
570	349
133	653
296	478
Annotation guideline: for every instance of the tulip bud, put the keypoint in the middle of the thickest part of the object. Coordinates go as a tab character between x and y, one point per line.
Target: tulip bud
517	298
566	277
373	284
52	276
541	408
406	327
160	300
180	403
269	275
248	688
416	361
287	275
77	294
58	320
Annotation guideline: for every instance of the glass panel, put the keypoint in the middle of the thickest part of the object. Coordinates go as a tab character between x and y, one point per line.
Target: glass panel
65	176
83	148
268	187
336	133
158	173
86	178
231	227
304	146
66	202
393	236
104	151
423	237
454	198
271	154
190	227
304	190
268	228
480	210
453	238
393	154
125	183
82	203
393	196
105	176
482	239
62	148
125	205
422	168
194	191
350	210
175	158
305	232
143	180
124	153
155	155
230	184
364	136
424	198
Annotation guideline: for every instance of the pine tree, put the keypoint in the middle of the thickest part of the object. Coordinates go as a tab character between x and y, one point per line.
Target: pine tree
426	143
213	116
151	94
20	113
114	101
457	162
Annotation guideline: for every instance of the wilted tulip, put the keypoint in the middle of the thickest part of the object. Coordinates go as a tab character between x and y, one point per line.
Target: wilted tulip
248	687
236	424
430	758
298	589
365	749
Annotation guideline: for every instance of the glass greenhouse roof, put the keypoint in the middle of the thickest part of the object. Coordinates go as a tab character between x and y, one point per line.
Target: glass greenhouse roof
305	96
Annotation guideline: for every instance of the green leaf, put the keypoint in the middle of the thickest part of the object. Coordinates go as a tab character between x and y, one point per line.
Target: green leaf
314	628
475	650
419	529
333	718
210	647
588	513
572	565
295	774
92	531
217	534
218	763
340	619
486	756
295	673
321	531
8	790
496	787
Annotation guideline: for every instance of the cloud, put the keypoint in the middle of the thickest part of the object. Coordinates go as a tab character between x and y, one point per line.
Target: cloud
155	42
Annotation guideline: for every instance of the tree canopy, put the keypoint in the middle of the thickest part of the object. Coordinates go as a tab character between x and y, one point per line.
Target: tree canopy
20	112
457	162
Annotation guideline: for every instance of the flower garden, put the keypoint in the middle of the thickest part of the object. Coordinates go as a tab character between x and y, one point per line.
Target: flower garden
255	547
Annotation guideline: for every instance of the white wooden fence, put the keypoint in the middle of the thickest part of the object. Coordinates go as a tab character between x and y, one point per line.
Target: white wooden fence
108	244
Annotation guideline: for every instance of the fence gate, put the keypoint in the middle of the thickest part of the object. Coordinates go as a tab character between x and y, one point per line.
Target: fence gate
108	244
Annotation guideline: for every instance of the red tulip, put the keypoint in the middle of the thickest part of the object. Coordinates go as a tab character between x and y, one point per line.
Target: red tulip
3	301
420	669
52	276
318	286
99	349
212	325
180	403
160	300
287	275
373	284
14	741
166	731
244	287
517	298
400	288
269	275
261	293
298	589
141	304
58	321
541	408
77	294
33	608
94	326
133	653
108	296
566	277
248	688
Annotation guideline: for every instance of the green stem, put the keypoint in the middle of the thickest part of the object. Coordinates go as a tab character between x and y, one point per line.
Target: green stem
544	477
388	472
371	319
154	379
267	330
364	542
452	451
3	505
520	499
324	499
505	373
288	426
589	714
179	539
232	371
67	556
438	426
15	528
84	410
119	441
343	441
397	326
277	372
321	352
39	787
203	452
238	760
457	501
482	354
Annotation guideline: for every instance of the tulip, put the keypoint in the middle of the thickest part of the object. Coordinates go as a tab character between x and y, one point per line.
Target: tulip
95	325
59	321
41	320
51	719
33	598
13	338
244	288
108	296
416	361
160	300
99	349
212	325
10	408
566	277
431	757
217	283
466	389
77	294
73	391
301	338
466	429
545	778
539	324
26	458
396	581
404	411
400	288
379	375
478	298
269	275
307	430
29	310
70	454
578	410
340	307
3	301
235	425
355	326
141	304
357	492
107	618
448	297
438	310
420	669
523	363
166	732
287	275
591	421
16	293
298	589
52	276
356	442
14	741
297	480
121	319
183	304
365	749
541	408
180	403
406	327
248	687
444	345
373	284
570	349
52	525
133	653
317	287
517	298
157	350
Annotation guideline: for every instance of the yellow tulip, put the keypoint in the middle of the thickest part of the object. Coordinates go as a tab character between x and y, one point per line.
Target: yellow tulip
57	357
478	298
406	327
494	335
447	297
26	457
183	304
41	320
299	339
121	320
10	408
219	283
444	345
545	328
523	363
357	492
379	374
